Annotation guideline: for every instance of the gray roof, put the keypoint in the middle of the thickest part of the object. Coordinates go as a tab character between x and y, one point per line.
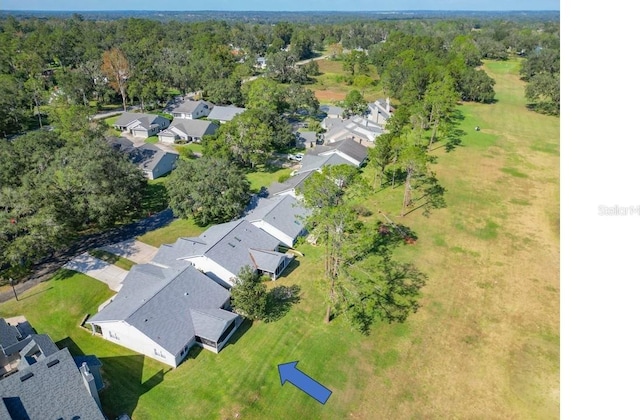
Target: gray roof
231	243
189	106
312	163
266	260
349	147
225	113
211	324
193	128
168	255
50	389
290	184
120	144
331	109
146	120
159	301
284	213
147	156
381	106
38	346
9	334
354	126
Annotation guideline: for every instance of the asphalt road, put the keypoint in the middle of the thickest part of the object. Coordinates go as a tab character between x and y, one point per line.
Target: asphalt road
46	268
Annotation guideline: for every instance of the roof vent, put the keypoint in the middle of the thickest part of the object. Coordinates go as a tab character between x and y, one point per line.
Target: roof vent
53	363
231	245
27	376
186	293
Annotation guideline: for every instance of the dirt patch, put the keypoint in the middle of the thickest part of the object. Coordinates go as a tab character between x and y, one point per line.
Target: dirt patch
329	95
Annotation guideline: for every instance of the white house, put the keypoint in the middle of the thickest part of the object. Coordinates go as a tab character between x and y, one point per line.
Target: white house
192	110
281	217
162	312
379	111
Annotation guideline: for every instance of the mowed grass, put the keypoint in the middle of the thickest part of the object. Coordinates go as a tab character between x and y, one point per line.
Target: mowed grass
168	234
483	344
330	86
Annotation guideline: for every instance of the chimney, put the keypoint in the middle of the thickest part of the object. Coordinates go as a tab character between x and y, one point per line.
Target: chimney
388	105
90	383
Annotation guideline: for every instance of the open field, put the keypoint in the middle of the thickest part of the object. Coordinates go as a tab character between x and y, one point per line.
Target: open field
484	343
331	87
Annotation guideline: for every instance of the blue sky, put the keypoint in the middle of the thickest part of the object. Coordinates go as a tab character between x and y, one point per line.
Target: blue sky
281	5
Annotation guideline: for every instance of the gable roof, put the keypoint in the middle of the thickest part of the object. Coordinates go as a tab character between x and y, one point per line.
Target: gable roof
193	128
349	147
290	184
312	162
51	388
354	126
146	121
158	301
225	113
190	106
381	106
285	213
331	109
9	334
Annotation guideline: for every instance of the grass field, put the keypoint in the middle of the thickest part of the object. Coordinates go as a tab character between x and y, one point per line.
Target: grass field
330	87
484	343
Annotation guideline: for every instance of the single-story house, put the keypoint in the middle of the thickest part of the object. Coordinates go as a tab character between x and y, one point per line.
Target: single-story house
379	111
289	186
141	125
224	114
341	152
162	312
356	128
261	63
306	139
42	381
282	217
192	110
186	130
222	250
153	161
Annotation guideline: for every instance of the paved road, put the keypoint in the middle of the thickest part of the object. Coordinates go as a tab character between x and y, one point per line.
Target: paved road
45	269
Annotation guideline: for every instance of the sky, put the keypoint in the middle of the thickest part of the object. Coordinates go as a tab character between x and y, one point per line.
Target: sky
281	5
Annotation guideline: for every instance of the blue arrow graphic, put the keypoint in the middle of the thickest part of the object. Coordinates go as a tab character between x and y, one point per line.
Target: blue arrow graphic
289	372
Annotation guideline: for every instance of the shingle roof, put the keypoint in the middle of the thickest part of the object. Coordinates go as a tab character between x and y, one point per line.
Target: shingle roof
331	109
146	121
50	389
354	126
349	147
313	163
193	128
284	213
211	324
158	302
225	113
290	184
189	106
230	247
147	156
8	334
267	261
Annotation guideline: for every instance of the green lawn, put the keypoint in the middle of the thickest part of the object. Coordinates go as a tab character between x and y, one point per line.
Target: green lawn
152	140
155	197
263	178
170	233
112	259
483	344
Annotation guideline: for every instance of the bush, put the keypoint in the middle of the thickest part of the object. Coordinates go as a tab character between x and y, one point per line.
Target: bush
282	178
362	210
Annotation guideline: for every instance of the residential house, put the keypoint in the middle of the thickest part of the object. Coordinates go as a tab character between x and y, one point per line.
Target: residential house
162	312
224	114
282	217
192	110
222	250
153	161
43	381
261	63
342	152
379	111
290	186
307	139
332	111
356	127
141	125
185	130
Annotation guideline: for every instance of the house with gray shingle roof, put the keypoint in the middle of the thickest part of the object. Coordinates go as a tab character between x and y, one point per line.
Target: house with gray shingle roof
52	387
192	110
343	152
153	161
282	217
182	129
332	111
356	128
162	312
141	125
224	114
289	186
222	250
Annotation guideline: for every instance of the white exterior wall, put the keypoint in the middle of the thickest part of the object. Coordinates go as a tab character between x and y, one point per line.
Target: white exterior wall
212	269
276	233
166	139
120	332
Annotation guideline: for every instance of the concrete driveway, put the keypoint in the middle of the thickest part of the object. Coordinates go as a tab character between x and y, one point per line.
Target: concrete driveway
107	273
136	251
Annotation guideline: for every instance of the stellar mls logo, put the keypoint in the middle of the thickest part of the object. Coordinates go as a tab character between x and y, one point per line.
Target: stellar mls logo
618	210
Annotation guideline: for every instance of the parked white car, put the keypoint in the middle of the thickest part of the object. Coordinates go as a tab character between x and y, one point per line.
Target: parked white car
297	157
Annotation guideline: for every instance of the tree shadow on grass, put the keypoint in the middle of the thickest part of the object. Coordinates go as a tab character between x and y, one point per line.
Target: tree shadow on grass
280	300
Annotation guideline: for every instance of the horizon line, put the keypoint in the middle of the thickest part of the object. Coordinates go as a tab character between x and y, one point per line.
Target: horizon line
289	11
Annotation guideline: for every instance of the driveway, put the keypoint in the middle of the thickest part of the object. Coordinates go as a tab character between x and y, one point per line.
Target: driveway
136	251
107	273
